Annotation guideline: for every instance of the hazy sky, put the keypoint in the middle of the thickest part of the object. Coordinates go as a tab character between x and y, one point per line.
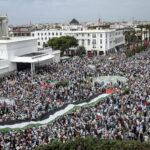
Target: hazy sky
51	11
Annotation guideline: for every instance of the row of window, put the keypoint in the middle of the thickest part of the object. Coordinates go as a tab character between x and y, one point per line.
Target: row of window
54	34
44	38
93	35
93	41
94	44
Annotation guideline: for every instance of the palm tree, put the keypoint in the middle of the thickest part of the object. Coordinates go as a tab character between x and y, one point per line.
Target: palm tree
127	37
145	34
141	27
148	27
131	38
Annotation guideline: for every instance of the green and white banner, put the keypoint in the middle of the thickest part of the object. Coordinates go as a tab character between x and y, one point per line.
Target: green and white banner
68	109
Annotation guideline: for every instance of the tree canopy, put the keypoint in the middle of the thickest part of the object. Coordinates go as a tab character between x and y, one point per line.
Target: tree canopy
80	51
62	43
90	143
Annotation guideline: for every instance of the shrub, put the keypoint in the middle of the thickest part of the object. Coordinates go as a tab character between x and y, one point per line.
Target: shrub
90	143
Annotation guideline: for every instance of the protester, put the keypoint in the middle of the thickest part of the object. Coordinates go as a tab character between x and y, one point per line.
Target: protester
125	115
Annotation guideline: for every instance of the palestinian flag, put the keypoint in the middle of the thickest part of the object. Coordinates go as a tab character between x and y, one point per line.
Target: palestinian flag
99	116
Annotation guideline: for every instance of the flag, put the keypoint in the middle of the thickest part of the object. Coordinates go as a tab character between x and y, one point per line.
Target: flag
99	116
145	103
146	43
135	47
53	82
51	85
20	31
109	91
5	104
44	86
5	109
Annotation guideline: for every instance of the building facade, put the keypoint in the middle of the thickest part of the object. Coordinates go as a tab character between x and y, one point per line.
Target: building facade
43	36
95	41
98	41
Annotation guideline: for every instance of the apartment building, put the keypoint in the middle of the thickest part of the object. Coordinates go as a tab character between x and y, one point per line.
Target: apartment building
97	41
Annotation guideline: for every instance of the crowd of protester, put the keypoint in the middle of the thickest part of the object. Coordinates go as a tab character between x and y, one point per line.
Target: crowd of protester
123	115
34	96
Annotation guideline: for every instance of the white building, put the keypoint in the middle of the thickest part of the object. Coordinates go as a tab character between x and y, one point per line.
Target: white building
98	40
43	36
22	53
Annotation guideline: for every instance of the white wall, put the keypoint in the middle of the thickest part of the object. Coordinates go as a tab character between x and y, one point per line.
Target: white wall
105	39
6	67
14	47
44	35
19	48
3	51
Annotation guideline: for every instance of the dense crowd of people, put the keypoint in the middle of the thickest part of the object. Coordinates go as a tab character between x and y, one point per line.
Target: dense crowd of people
125	115
33	97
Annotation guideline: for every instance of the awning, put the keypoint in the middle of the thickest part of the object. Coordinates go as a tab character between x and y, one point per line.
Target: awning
35	59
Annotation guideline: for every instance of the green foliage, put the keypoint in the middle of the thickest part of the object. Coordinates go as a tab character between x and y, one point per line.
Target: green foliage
80	51
127	90
62	43
129	53
130	37
90	143
139	49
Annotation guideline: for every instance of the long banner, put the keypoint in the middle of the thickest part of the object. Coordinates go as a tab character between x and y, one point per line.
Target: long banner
57	114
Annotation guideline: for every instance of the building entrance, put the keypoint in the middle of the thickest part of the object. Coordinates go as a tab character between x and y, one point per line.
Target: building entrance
23	66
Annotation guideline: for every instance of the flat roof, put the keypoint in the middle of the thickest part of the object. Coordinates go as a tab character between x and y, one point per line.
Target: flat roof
90	31
32	59
17	39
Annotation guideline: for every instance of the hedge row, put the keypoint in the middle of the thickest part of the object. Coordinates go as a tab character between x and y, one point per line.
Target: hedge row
90	143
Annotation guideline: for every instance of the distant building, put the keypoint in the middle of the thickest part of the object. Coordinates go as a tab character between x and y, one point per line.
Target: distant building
18	31
74	22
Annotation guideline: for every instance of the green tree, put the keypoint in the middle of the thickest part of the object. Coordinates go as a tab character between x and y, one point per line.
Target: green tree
130	37
80	51
53	43
148	27
129	53
127	37
63	43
